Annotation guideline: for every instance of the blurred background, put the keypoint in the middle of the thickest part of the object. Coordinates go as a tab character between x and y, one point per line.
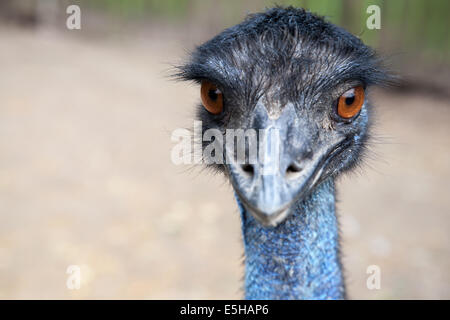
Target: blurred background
85	172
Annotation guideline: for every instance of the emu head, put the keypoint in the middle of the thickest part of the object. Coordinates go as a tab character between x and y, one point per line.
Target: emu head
299	85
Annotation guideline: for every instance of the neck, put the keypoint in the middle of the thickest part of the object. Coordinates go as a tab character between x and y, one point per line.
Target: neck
298	259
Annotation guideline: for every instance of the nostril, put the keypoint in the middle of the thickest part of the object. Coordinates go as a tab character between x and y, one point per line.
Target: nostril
293	170
249	169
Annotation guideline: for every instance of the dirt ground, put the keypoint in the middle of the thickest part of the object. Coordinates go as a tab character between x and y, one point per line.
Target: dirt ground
86	179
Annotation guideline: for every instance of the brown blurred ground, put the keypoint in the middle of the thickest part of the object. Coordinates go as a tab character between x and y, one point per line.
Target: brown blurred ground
86	179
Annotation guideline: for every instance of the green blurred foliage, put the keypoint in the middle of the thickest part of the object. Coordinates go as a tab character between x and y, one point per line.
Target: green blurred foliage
420	25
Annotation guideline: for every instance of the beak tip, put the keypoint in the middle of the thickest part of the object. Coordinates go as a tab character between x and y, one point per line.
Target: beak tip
270	218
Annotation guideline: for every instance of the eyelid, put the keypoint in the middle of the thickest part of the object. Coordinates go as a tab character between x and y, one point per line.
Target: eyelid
349	91
350	85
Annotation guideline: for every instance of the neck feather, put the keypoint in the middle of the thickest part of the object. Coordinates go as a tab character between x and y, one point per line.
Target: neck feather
298	259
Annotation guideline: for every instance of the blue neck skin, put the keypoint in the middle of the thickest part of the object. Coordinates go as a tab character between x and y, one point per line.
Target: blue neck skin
298	259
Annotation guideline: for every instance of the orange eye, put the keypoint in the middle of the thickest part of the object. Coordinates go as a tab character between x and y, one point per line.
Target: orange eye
212	97
350	103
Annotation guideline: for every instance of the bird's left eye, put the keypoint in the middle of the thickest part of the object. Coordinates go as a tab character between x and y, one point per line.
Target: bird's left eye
350	103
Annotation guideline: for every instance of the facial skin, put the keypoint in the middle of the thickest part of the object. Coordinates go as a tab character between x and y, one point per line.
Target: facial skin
287	78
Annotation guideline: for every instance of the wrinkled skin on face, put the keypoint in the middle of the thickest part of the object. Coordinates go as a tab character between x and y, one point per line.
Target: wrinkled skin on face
284	70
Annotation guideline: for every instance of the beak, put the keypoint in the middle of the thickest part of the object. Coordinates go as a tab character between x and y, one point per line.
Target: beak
284	169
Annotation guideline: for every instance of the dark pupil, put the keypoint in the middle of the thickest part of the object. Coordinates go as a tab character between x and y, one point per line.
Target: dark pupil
212	95
350	99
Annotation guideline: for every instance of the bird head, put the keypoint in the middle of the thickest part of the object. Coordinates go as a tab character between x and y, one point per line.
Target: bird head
287	93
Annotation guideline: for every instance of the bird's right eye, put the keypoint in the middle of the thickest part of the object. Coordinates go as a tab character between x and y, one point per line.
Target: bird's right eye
212	97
